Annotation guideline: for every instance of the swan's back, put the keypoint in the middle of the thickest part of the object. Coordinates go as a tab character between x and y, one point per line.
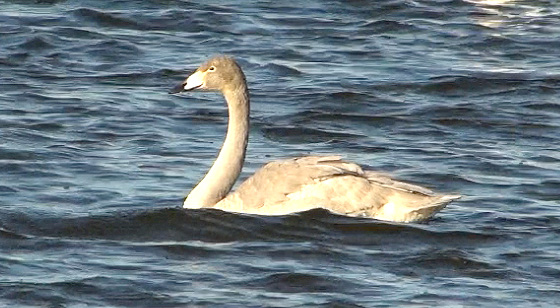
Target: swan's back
301	184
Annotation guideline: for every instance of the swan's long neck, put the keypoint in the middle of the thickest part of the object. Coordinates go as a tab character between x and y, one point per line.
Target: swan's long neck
227	167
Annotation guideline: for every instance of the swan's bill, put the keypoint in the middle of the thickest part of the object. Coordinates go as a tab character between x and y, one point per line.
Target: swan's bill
194	81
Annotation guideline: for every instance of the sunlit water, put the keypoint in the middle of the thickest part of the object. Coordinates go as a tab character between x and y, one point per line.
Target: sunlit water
96	157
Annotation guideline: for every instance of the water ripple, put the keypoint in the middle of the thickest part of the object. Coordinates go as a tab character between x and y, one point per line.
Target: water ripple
96	157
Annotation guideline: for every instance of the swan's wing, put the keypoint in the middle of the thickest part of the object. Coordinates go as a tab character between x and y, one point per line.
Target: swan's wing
301	184
386	181
273	183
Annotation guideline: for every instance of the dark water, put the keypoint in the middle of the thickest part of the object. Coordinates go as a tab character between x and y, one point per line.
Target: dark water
96	157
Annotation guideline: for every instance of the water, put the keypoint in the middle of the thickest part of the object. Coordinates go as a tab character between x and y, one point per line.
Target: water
96	157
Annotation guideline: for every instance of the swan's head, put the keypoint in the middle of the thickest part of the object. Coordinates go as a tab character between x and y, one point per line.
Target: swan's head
220	73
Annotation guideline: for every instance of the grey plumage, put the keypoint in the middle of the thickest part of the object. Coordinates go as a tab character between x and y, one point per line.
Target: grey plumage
298	184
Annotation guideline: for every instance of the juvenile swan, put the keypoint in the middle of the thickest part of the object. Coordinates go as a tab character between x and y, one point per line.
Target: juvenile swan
299	184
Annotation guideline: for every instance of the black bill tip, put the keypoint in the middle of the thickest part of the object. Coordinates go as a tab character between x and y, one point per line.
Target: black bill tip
177	89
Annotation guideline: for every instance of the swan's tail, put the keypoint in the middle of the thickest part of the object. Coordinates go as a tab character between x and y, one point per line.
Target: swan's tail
421	209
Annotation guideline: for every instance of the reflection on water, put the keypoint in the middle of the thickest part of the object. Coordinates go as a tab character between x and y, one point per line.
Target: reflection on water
492	2
506	13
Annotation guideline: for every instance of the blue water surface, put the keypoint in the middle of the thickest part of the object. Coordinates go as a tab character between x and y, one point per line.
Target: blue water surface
96	158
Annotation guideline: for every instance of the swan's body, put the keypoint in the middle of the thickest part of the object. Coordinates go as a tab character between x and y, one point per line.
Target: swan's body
294	185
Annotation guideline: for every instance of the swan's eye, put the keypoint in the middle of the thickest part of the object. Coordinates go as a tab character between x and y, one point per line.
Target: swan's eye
211	68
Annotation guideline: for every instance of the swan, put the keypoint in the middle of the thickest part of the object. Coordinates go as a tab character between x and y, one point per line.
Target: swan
298	184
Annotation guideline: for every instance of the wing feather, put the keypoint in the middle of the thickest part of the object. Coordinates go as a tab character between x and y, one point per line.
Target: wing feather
300	184
276	180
